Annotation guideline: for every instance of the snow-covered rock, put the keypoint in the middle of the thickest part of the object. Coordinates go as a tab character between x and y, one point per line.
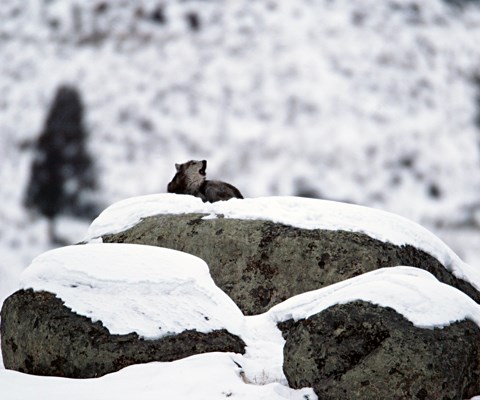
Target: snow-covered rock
361	351
118	305
157	291
411	292
263	251
391	333
294	211
422	305
121	304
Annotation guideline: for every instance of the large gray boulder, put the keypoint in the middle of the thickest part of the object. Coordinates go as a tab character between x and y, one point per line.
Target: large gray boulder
363	351
261	263
41	336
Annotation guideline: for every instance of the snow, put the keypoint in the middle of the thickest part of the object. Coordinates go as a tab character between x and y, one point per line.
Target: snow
327	109
295	211
412	292
89	279
282	98
135	288
132	288
212	376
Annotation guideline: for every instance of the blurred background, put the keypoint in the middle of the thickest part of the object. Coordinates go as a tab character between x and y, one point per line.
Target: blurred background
369	102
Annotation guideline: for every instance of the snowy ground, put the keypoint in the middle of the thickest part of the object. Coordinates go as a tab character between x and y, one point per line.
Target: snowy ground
213	376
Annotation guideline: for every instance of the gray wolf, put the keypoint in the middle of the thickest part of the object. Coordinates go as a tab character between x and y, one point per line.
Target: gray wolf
191	179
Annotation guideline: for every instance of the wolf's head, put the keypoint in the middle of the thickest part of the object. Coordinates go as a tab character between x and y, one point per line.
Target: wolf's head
192	167
189	177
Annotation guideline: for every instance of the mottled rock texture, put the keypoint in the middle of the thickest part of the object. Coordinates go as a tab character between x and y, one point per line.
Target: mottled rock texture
43	337
363	351
261	263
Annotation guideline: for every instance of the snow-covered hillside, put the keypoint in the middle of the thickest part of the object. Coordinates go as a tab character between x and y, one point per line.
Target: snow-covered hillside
370	102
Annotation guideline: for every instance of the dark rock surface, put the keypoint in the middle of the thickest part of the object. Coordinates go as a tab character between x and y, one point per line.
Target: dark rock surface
43	337
363	351
261	263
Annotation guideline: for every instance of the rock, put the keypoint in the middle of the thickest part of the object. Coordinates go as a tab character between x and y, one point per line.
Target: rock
362	351
41	336
261	263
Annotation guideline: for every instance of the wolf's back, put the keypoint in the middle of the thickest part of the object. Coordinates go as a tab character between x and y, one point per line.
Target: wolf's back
217	190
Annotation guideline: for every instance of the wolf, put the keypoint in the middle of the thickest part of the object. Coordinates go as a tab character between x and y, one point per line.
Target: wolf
191	179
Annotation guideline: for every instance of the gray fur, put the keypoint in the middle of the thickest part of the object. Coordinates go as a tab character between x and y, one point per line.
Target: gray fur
191	179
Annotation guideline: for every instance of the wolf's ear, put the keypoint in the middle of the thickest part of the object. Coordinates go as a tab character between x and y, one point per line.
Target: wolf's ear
178	167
